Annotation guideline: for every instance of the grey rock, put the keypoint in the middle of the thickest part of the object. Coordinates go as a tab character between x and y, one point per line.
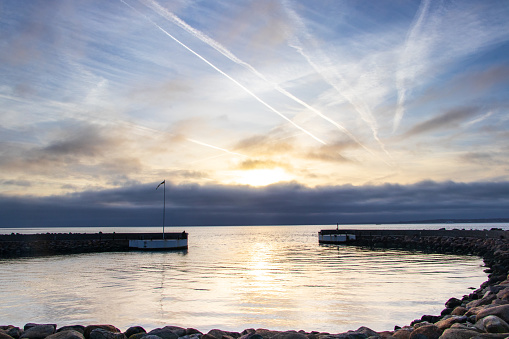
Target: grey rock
191	330
180	331
4	335
491	336
134	330
458	333
426	332
90	328
219	334
100	333
67	334
446	323
79	328
481	302
13	331
290	335
164	333
453	303
500	311
138	335
493	324
191	336
459	310
151	336
367	331
38	331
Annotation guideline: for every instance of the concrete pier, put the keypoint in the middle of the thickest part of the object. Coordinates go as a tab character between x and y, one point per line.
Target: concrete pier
356	235
18	245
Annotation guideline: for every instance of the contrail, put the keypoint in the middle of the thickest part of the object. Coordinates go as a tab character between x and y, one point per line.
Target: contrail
229	77
227	53
215	147
360	107
404	74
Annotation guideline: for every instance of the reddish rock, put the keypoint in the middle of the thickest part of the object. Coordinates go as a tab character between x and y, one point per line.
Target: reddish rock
426	332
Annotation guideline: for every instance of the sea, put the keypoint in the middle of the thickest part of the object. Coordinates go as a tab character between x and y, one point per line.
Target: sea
238	277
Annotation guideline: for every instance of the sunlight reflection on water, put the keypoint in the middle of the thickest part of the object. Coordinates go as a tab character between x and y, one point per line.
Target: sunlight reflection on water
235	278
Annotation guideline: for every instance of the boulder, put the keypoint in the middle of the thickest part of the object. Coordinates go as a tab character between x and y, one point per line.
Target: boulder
493	324
164	333
290	335
180	331
459	310
458	333
500	311
100	333
79	328
67	334
4	335
453	303
266	333
134	330
13	331
90	328
426	332
503	294
38	331
219	334
402	334
138	335
480	302
491	336
367	331
191	330
150	336
448	322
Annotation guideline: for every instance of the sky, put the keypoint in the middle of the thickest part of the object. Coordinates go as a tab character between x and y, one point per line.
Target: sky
253	112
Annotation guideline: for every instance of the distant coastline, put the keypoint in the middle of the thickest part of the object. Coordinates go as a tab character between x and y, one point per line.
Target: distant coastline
440	221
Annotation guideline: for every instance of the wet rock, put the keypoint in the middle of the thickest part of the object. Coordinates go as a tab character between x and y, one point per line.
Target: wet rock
34	331
100	333
493	324
79	328
402	334
290	335
459	310
453	303
484	301
448	322
266	333
138	335
367	331
90	328
66	334
164	333
180	331
426	332
4	335
190	331
13	331
500	311
458	333
219	334
491	336
134	330
149	336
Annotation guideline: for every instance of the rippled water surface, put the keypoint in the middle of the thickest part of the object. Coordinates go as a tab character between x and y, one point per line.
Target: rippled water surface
234	278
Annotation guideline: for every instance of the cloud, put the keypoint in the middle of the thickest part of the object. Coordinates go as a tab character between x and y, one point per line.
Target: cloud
449	119
291	203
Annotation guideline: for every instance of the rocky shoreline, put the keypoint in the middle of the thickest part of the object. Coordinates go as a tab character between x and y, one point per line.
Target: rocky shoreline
483	314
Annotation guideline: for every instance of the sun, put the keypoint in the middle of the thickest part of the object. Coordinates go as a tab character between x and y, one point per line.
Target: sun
261	177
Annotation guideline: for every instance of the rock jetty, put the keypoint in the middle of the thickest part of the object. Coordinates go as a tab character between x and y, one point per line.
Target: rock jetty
483	314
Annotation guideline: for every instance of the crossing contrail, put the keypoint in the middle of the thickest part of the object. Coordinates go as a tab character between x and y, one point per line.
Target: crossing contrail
405	74
154	5
248	91
336	81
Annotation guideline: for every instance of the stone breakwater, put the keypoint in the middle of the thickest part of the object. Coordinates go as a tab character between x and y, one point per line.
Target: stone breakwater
482	314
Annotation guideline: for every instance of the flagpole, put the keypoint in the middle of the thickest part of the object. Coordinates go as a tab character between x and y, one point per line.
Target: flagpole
164	204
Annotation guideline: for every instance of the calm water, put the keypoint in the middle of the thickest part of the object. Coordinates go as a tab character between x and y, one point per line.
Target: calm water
232	278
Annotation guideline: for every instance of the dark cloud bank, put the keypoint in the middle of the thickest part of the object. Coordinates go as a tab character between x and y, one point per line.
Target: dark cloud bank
141	205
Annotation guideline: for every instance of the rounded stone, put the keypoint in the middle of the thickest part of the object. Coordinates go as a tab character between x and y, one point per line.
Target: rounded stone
67	334
38	331
426	332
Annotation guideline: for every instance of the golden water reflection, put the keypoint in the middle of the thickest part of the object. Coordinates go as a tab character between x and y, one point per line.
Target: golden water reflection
236	278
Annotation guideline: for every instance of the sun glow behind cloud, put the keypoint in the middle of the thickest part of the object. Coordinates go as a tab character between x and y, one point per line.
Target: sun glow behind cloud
128	92
260	176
